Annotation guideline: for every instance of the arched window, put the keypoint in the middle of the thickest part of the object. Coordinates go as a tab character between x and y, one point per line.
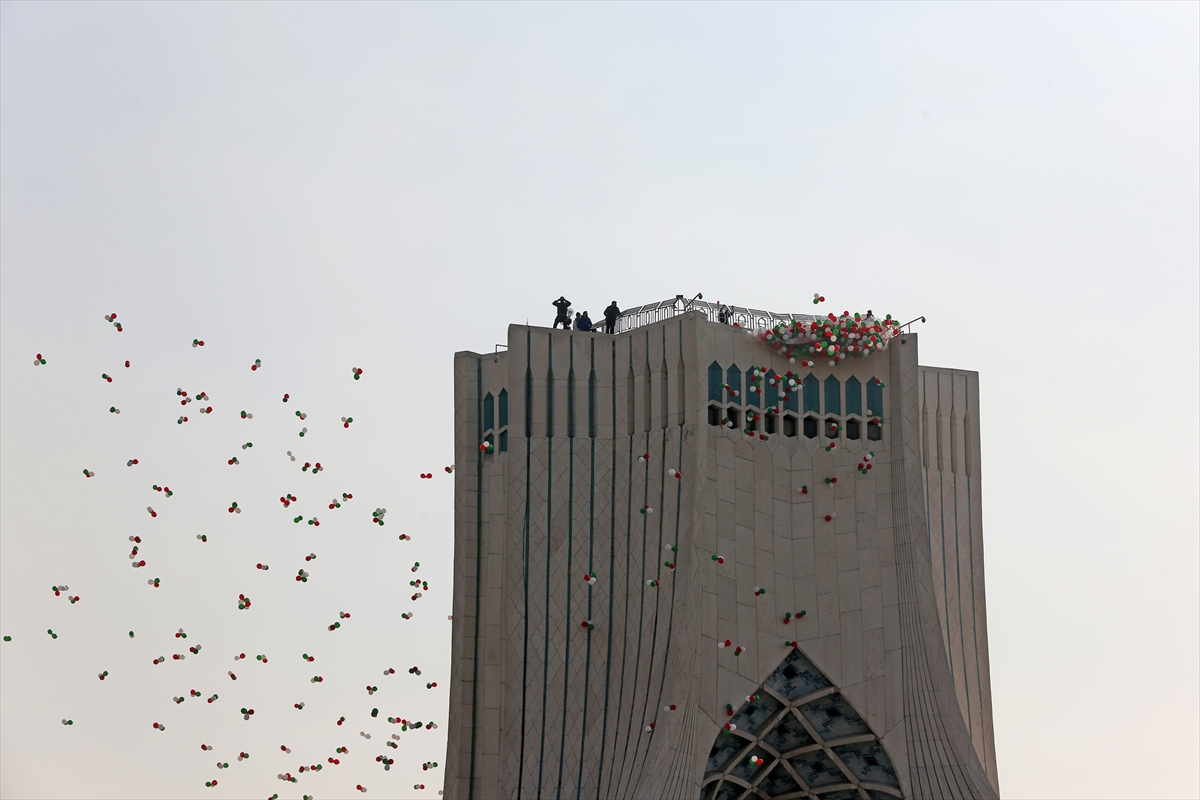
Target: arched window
793	727
833	395
592	404
489	412
734	379
632	408
753	398
793	399
771	390
853	396
550	403
571	403
874	398
528	402
503	408
812	394
714	383
649	399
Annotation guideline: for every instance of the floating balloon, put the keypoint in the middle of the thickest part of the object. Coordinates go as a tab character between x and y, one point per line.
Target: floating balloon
38	360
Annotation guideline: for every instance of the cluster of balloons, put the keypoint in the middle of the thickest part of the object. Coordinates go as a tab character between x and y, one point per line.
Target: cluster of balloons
834	337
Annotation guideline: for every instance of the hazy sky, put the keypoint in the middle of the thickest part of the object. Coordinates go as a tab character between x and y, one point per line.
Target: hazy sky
327	186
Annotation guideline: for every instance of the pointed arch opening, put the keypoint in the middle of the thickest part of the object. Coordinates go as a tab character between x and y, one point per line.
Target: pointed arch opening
798	737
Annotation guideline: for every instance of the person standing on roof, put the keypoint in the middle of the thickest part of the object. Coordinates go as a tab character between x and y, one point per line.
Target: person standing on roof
564	307
723	313
610	317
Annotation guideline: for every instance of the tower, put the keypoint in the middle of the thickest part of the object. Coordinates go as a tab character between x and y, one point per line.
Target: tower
682	572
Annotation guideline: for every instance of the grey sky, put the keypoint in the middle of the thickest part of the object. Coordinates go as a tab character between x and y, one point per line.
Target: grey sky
379	185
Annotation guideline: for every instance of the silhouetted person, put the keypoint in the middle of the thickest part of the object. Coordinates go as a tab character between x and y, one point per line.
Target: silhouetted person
584	323
723	313
610	317
564	307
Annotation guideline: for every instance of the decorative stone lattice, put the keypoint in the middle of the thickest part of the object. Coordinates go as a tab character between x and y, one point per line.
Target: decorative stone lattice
798	737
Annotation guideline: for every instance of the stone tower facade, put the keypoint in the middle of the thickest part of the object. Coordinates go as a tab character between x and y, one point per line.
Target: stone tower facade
622	514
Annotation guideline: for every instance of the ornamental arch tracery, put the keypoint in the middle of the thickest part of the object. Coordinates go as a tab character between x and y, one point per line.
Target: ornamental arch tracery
799	738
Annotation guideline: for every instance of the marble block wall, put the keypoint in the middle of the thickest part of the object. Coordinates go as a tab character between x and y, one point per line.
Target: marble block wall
562	686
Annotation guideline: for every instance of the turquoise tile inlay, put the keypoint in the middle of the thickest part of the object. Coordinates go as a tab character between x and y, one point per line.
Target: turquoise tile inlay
779	782
868	762
722	750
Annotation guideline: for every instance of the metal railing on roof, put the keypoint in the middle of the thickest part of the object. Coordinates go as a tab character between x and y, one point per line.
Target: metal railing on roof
750	318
